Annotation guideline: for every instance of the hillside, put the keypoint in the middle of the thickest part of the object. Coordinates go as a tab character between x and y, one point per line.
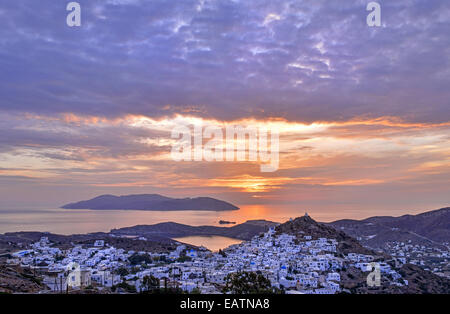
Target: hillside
11	240
244	231
305	225
17	280
419	282
353	280
151	202
430	228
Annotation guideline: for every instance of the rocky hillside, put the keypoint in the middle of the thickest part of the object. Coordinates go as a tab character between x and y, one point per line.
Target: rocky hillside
429	228
17	280
244	231
11	241
420	281
305	225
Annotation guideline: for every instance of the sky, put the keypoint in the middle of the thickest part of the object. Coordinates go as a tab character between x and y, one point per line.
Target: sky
363	112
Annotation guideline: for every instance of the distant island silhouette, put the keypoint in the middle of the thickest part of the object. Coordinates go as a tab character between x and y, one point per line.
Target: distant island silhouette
151	202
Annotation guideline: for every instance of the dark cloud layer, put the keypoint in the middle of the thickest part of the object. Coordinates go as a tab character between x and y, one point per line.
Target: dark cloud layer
302	60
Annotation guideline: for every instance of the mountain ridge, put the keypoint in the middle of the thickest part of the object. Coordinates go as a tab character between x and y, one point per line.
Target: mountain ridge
243	231
430	228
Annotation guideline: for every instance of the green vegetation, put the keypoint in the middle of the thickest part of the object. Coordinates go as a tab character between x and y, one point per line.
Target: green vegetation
150	284
59	258
247	283
137	259
195	291
183	259
122	271
124	286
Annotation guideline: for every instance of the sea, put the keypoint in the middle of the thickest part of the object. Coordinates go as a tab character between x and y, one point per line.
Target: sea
80	221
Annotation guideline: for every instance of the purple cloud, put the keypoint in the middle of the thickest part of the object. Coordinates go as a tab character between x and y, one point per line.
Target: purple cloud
227	59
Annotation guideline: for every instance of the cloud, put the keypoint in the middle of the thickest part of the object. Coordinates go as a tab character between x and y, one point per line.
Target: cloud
133	153
364	111
304	61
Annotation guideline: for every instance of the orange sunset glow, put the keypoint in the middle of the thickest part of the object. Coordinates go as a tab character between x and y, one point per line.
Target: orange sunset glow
362	112
320	161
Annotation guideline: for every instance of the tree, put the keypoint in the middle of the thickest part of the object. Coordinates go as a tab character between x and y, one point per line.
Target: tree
59	258
150	283
136	259
183	259
122	271
247	283
124	287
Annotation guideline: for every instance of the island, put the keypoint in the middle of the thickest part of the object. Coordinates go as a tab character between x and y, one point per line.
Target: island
151	202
